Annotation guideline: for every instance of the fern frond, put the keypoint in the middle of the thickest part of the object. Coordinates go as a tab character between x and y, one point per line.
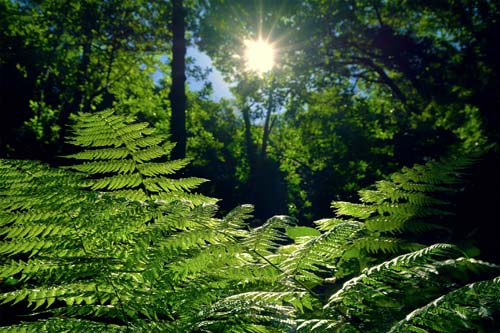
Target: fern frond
409	197
115	153
315	255
195	199
64	325
76	293
157	169
325	325
299	299
360	211
398	286
160	184
135	256
329	223
26	185
151	150
425	255
446	172
103	167
373	244
126	158
461	310
238	217
241	315
265	239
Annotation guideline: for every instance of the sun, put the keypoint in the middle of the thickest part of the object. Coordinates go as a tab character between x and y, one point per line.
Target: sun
259	55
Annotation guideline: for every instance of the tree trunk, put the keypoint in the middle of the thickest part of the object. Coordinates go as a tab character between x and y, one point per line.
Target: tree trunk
177	93
251	151
78	100
267	123
251	154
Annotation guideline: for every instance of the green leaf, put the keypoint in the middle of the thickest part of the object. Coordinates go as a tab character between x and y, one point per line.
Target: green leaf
298	232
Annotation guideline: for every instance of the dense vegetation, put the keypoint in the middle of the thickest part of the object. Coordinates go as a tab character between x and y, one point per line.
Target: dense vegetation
390	109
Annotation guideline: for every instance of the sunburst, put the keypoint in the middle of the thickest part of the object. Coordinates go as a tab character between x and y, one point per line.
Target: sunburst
259	55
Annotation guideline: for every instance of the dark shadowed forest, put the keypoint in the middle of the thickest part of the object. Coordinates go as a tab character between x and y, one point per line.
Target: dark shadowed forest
350	183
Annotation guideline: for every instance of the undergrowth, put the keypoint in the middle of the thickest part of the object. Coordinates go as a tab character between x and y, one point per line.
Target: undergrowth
118	243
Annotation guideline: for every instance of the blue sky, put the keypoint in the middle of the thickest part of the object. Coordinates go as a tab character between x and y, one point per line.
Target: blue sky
220	87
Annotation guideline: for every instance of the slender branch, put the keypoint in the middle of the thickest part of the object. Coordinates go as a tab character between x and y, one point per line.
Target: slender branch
377	12
385	78
270	109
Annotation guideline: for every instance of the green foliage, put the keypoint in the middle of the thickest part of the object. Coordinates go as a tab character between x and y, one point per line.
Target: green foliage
403	294
120	241
148	261
80	56
459	310
80	253
370	86
410	200
361	276
215	148
126	157
402	281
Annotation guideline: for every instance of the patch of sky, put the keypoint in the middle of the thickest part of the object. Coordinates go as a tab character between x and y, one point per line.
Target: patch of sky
220	87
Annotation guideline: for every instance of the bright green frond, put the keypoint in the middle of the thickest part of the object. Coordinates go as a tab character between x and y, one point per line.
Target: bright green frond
64	325
352	209
265	239
398	286
313	256
165	168
466	309
128	158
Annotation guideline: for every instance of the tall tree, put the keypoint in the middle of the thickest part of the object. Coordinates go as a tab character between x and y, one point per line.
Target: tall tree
371	85
177	94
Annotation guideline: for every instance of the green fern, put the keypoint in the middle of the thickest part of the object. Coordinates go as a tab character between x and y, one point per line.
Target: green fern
128	158
384	294
355	244
119	244
468	308
319	253
409	199
85	258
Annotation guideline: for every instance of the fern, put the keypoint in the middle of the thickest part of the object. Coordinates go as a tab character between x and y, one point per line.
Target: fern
316	255
388	275
409	198
410	201
133	258
118	243
385	293
64	325
355	244
126	157
264	239
462	310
